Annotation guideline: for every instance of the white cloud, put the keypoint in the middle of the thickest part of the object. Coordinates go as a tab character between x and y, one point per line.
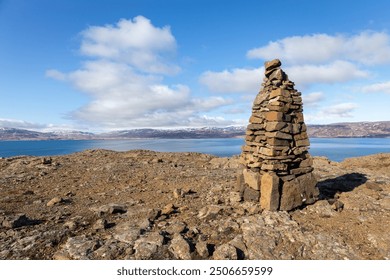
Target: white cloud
249	80
122	98
233	81
335	72
136	42
332	113
367	47
21	124
383	87
342	110
312	99
124	78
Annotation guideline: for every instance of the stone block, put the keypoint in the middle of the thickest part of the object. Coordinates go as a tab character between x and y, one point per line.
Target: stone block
240	184
269	65
302	143
254	119
248	149
302	170
274	116
301	136
252	179
299	117
268	152
279	92
260	138
250	138
251	195
255	126
277	108
279	135
274	166
299	191
269	199
277	75
254	164
296	128
260	98
277	142
274	126
308	162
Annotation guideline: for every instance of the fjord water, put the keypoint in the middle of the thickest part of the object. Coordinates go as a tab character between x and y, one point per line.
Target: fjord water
335	149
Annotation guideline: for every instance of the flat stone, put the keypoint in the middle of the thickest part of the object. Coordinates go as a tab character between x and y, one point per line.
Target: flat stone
111	208
277	142
301	136
80	247
178	193
274	116
299	191
255	126
251	195
274	166
225	252
168	209
279	135
303	170
274	126
147	246
277	74
153	214
268	65
256	120
126	232
308	162
302	143
252	179
176	227
299	117
260	98
279	92
180	248
268	152
269	199
100	224
209	212
54	201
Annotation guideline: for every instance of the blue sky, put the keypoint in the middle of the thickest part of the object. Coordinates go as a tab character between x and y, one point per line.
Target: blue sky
121	64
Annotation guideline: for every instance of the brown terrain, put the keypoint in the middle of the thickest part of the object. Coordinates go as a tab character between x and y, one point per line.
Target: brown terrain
101	204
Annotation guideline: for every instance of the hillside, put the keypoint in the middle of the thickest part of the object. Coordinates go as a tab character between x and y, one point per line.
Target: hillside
101	204
359	129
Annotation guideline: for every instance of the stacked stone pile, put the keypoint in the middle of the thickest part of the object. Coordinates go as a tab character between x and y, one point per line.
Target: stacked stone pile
277	166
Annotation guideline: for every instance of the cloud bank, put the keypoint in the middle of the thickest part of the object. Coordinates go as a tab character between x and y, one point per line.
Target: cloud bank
124	77
368	47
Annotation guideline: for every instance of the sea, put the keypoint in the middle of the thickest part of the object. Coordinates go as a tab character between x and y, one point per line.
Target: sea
336	149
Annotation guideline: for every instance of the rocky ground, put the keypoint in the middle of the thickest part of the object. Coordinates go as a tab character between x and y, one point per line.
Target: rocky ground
102	204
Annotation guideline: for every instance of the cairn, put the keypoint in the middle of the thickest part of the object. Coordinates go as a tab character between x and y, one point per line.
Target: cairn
278	168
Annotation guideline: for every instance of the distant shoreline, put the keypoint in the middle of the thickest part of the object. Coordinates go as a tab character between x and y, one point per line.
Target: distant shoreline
338	130
186	138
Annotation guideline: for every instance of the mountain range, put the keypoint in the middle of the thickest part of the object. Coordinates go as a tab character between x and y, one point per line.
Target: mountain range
337	130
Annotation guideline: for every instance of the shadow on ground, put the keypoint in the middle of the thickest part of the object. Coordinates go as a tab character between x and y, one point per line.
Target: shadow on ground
346	183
